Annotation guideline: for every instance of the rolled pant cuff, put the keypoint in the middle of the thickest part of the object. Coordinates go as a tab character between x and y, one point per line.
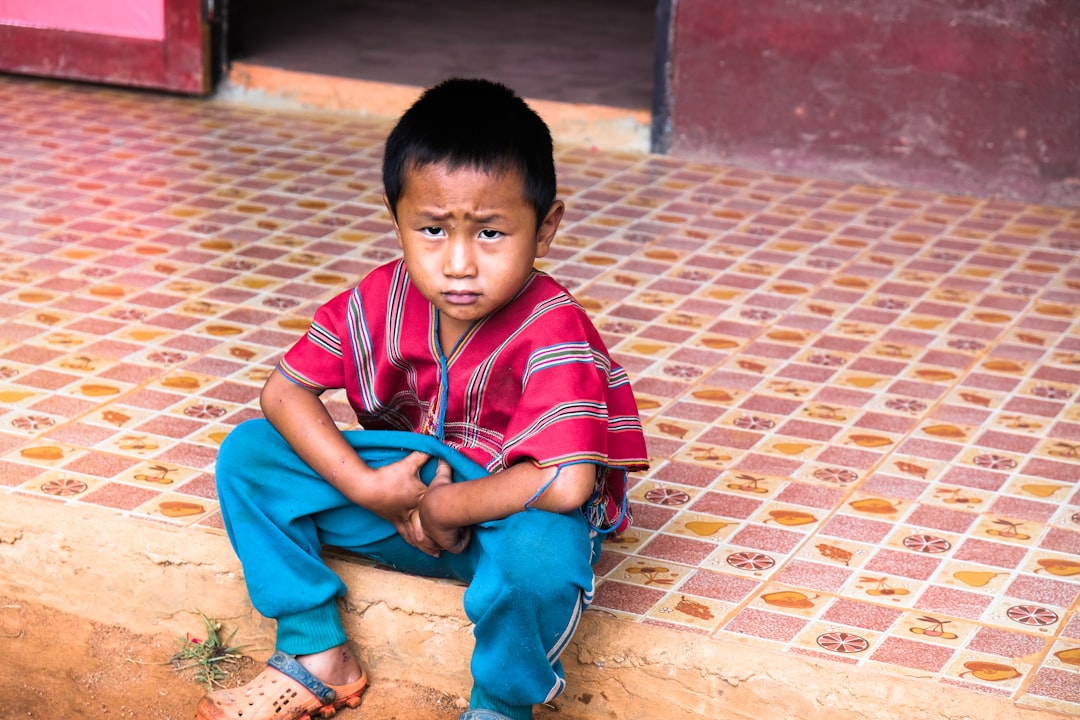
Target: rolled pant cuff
310	631
482	701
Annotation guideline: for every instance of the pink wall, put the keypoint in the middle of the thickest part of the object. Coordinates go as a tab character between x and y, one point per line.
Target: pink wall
143	19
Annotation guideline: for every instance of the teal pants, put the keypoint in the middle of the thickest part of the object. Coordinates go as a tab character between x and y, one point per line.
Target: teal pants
529	576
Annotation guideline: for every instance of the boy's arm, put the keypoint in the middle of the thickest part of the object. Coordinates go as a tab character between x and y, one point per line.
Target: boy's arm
447	507
393	491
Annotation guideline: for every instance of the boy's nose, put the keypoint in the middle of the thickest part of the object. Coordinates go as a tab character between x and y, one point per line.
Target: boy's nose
460	259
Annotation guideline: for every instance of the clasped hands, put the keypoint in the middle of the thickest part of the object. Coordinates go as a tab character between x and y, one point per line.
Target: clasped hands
414	508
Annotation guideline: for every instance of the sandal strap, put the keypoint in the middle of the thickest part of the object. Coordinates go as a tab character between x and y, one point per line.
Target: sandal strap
287	665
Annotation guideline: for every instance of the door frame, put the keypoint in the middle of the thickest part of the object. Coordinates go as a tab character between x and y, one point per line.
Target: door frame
181	62
660	129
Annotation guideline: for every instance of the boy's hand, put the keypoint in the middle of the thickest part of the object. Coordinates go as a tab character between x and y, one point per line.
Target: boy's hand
451	538
399	500
393	492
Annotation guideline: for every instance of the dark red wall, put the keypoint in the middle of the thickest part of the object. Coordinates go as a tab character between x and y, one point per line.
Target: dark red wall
977	96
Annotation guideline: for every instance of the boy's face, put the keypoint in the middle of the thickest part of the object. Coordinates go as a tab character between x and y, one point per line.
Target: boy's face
470	239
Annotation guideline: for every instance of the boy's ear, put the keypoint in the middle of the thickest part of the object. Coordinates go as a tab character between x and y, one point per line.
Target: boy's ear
548	227
393	217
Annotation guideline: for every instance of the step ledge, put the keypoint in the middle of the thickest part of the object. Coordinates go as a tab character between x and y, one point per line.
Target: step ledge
153	578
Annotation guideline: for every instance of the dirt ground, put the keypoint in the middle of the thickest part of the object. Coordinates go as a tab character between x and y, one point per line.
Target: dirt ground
61	667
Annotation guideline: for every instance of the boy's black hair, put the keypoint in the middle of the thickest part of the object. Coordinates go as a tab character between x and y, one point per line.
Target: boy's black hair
476	124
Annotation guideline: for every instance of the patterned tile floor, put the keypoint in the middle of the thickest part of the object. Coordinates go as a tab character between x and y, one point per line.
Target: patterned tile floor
862	403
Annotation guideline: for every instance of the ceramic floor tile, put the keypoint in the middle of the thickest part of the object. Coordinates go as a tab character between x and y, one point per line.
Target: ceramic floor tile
860	402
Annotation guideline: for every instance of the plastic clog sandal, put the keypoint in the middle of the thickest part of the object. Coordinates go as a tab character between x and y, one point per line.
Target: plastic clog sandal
482	715
283	691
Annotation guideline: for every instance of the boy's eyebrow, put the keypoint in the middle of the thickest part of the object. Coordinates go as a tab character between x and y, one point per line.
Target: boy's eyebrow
444	216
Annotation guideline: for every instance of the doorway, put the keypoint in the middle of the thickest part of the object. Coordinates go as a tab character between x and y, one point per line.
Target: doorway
591	52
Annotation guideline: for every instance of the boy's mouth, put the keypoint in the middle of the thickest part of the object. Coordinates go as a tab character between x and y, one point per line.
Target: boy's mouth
460	297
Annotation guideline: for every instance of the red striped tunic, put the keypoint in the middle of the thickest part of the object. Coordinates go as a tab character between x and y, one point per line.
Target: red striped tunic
532	382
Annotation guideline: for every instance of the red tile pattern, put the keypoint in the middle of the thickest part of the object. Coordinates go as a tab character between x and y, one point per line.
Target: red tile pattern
862	403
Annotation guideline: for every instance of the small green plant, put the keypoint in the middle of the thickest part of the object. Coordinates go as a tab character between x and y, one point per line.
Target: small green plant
212	659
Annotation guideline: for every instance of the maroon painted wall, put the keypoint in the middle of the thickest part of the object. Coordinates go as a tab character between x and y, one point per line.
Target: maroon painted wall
965	96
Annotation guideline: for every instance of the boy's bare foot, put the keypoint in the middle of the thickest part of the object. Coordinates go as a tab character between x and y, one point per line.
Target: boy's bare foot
336	666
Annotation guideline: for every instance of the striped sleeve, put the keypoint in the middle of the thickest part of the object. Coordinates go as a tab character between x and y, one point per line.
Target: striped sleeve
316	361
576	404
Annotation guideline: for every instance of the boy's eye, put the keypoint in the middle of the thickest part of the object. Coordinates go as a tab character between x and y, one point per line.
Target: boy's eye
490	234
432	231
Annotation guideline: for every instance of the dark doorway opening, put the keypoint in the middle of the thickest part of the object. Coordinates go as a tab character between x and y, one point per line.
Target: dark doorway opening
595	52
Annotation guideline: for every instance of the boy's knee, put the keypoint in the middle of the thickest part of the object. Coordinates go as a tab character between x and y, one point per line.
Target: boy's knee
536	549
241	443
254	428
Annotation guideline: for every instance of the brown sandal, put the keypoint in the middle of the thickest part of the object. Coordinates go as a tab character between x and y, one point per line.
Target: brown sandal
283	691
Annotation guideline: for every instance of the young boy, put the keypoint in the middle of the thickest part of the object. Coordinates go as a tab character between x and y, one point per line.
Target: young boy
497	430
